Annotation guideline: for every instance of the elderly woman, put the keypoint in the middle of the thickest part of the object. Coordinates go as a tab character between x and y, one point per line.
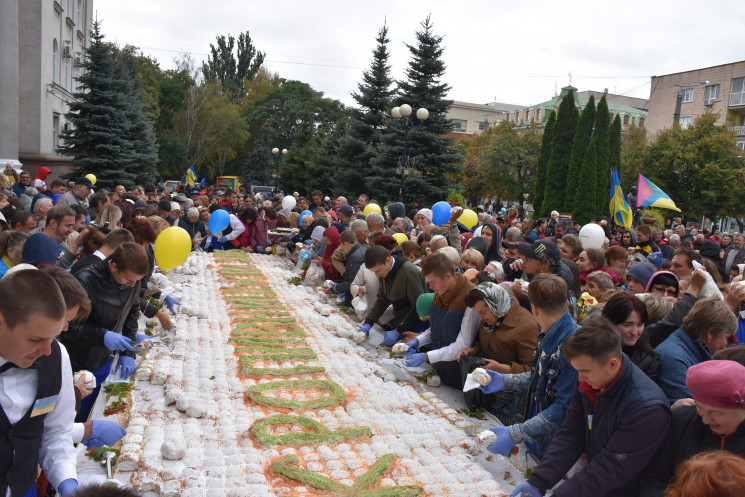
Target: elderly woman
715	422
506	340
11	249
423	220
706	329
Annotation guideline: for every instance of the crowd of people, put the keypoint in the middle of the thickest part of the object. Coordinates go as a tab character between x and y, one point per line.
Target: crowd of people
625	351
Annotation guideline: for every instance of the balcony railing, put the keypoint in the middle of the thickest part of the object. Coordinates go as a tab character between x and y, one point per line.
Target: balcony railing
739	130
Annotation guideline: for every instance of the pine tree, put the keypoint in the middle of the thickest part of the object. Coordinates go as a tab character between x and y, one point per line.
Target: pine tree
586	201
561	152
579	147
256	170
373	97
543	158
601	133
98	141
614	140
432	156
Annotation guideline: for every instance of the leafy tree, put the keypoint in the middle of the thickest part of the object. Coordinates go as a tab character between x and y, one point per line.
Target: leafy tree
432	156
543	158
579	145
585	203
561	152
99	141
232	68
633	155
173	95
601	133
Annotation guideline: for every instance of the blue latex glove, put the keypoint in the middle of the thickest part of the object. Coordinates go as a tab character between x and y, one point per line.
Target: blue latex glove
171	303
68	487
104	433
127	365
308	242
259	249
116	341
142	336
333	288
504	443
497	382
525	489
391	337
415	360
223	239
413	344
365	328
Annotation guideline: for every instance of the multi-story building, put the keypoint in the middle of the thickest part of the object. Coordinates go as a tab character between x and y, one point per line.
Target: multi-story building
632	110
472	119
43	45
683	96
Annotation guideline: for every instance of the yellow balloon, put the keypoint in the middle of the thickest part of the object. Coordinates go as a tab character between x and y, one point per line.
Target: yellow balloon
172	247
91	177
400	238
372	208
469	219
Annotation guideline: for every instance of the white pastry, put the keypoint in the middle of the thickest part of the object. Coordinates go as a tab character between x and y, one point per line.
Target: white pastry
481	376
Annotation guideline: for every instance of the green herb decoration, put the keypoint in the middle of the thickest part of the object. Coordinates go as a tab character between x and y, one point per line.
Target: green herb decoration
477	413
319	434
337	395
97	454
120	390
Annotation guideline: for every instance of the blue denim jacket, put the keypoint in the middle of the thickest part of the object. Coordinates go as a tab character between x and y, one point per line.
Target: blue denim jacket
554	390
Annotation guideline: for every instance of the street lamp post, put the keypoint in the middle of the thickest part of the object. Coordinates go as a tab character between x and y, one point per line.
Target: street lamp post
275	151
402	116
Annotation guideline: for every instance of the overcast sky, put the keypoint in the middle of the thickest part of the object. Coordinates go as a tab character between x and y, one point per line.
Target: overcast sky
513	51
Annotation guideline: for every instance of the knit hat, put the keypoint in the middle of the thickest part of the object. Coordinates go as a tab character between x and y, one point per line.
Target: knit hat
175	207
642	272
426	213
666	278
424	304
718	383
193	212
656	259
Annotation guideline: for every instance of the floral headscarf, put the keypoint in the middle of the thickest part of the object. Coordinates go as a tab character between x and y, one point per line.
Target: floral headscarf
498	301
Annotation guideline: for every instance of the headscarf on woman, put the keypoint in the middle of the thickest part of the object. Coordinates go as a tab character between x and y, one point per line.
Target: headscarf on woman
494	253
332	234
497	299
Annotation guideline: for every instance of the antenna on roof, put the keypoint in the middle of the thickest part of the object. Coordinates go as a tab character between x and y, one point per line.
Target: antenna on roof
570	78
556	88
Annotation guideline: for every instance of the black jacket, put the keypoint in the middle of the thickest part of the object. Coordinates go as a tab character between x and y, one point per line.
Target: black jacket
193	228
355	259
646	360
688	436
109	301
620	433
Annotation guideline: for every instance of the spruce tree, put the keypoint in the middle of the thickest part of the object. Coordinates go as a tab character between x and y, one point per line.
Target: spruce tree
579	146
100	139
614	140
432	156
586	200
260	163
601	133
561	152
543	158
373	97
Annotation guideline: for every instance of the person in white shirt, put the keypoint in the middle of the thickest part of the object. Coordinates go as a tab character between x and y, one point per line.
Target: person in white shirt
36	389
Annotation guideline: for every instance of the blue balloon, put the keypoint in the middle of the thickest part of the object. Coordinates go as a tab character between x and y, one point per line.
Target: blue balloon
305	255
440	213
305	213
503	210
219	220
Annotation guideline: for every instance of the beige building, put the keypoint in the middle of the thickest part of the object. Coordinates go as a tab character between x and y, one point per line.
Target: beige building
473	119
43	43
682	97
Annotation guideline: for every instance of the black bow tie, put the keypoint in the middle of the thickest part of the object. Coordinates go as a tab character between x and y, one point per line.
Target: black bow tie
7	366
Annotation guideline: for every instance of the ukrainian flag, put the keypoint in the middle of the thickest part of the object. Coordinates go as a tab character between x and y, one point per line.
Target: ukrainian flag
619	208
649	195
190	177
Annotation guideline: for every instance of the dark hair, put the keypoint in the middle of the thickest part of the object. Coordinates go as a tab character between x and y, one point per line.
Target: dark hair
688	253
615	252
79	210
270	213
20	217
731	353
142	231
597	338
105	490
320	209
12	240
473	297
131	257
709	314
387	242
72	291
57	182
316	193
423	237
596	256
117	237
619	307
248	215
229	192
29	292
91	240
164	205
348	236
574	242
58	212
548	292
408	247
644	229
438	264
376	255
664	279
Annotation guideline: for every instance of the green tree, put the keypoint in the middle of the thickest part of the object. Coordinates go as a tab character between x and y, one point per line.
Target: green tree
231	65
579	145
543	158
173	95
99	141
601	133
512	161
614	146
585	204
432	156
260	160
561	152
633	156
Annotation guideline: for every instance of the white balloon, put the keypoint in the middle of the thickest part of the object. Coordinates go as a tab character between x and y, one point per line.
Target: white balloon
477	232
592	236
289	202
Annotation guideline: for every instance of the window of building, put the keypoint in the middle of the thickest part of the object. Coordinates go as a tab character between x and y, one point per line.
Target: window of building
55	65
684	121
538	115
626	119
79	15
69	9
687	95
737	94
483	125
68	74
641	121
459	125
55	132
741	146
711	93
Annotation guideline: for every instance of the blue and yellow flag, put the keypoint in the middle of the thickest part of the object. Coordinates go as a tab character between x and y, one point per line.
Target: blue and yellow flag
649	195
619	208
190	177
204	180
